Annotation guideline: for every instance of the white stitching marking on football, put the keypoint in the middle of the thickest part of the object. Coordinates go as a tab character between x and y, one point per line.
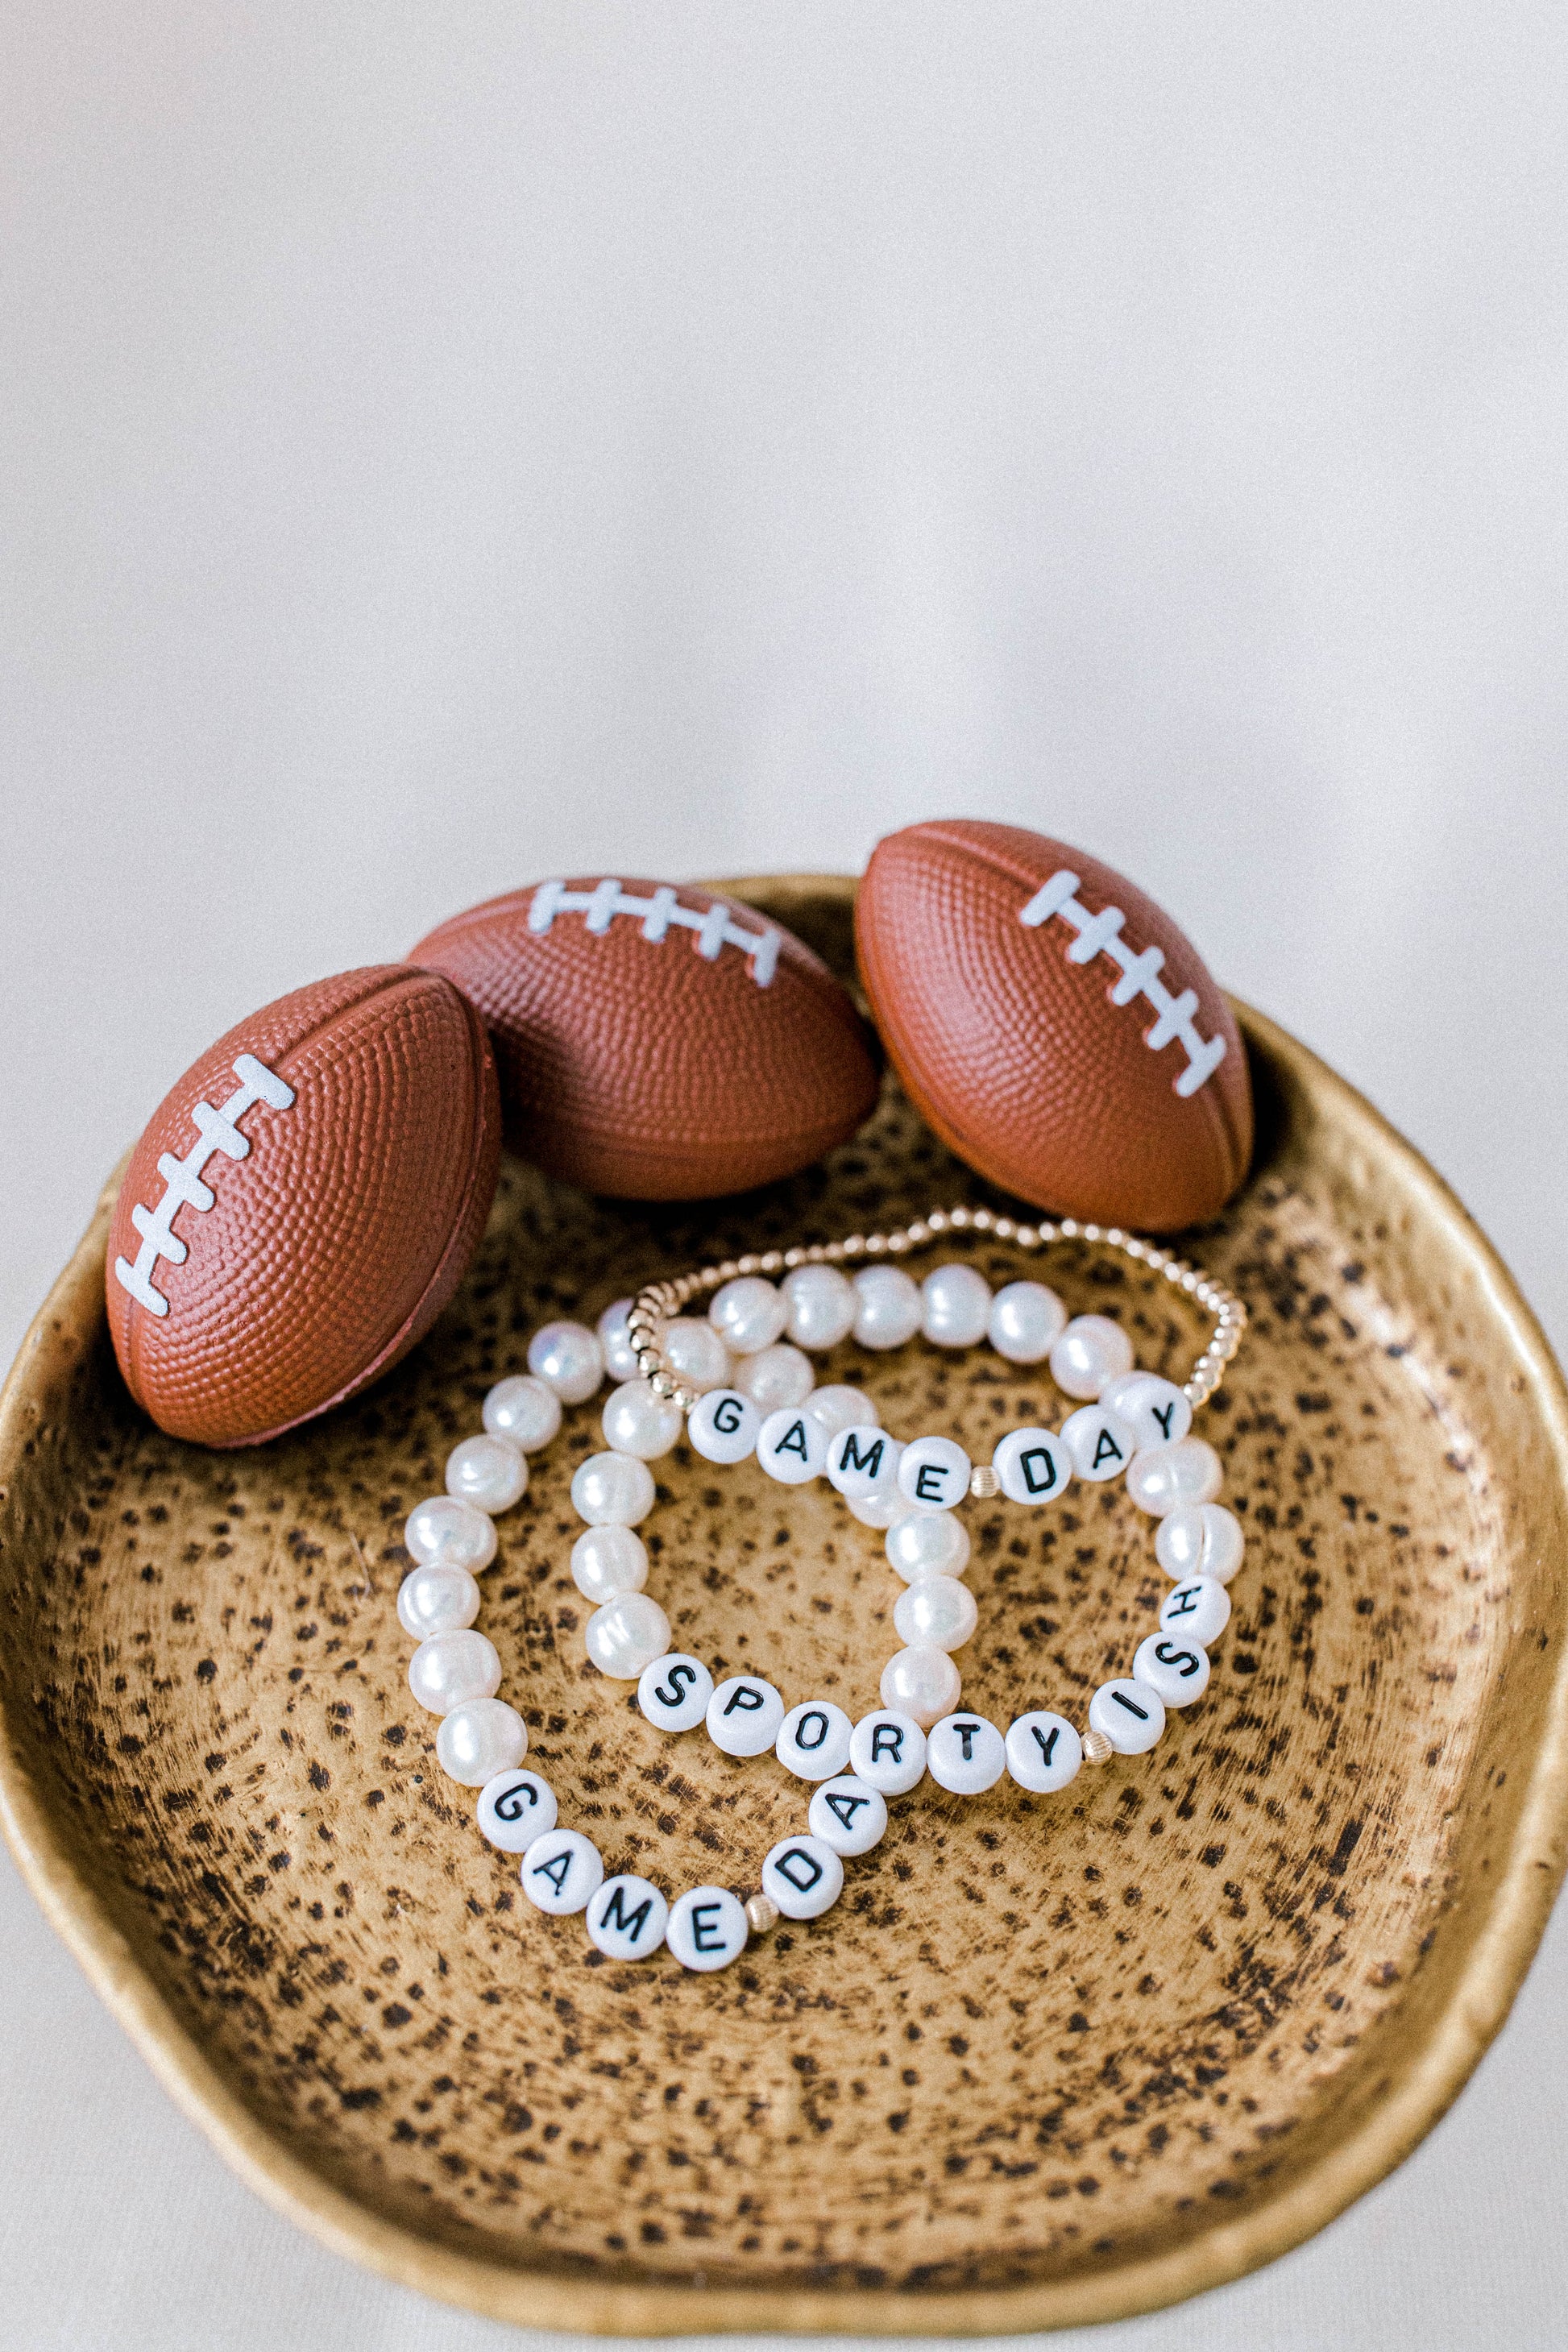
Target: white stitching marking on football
608	899
1101	935
217	1130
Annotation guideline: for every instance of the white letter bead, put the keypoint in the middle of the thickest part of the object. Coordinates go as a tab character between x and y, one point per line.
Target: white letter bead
748	1314
611	1490
514	1809
1177	1669
626	1636
1155	1409
863	1462
724	1426
443	1527
937	1613
814	1741
955	1307
707	1927
934	1472
837	1408
792	1447
775	1378
744	1715
441	1598
887	1307
1131	1714
449	1669
562	1871
567	1358
927	1543
674	1692
626	1919
1091	1351
695	1350
804	1876
1032	1467
488	1472
476	1741
607	1560
1166	1476
1025	1322
1200	1539
965	1754
1044	1753
1101	1443
637	1422
1198	1611
924	1683
887	1751
615	1341
821	1303
524	1410
848	1814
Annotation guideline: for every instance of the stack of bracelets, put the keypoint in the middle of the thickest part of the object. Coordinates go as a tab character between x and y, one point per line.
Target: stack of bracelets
740	1384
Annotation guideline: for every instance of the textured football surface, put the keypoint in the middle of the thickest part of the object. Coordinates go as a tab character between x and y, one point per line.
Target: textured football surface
1053	1026
303	1204
657	1043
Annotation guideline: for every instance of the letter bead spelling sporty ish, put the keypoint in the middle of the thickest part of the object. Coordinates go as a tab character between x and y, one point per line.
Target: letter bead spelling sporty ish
1132	1425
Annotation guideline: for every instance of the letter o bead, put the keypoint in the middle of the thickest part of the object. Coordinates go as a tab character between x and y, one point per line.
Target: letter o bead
626	1917
848	1814
743	1715
966	1754
723	1425
804	1876
674	1692
1178	1670
792	1447
707	1928
814	1741
1032	1467
1101	1443
934	1474
1131	1714
887	1751
1044	1753
561	1871
514	1809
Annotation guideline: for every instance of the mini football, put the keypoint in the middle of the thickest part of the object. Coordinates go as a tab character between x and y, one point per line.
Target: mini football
303	1204
655	1042
1053	1027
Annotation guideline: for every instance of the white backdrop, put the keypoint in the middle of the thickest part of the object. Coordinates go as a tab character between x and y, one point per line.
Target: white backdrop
445	447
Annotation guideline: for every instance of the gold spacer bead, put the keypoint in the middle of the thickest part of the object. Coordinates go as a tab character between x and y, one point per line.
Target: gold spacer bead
855	1245
983	1482
1116	1237
936	1220
662	1385
897	1244
959	1219
770	1262
1004	1228
728	1271
1097	1748
1027	1237
794	1257
1069	1229
875	1244
918	1233
1091	1233
685	1398
983	1221
832	1253
762	1913
749	1263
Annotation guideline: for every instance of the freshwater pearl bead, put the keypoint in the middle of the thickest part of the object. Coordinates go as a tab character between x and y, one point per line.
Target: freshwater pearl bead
934	1472
674	1692
1089	1351
476	1741
707	1927
488	1472
626	1917
567	1358
1200	1539
450	1669
863	1462
743	1715
1032	1467
838	1408
626	1636
1130	1714
1198	1611
561	1871
1100	1445
1167	1477
515	1807
966	1754
1178	1670
955	1307
792	1447
611	1490
637	1422
922	1683
607	1560
887	1306
723	1425
821	1304
804	1876
1044	1753
748	1314
847	1814
439	1599
882	1511
775	1377
927	1543
615	1341
937	1613
887	1751
442	1528
525	1411
695	1350
1025	1322
1155	1409
814	1741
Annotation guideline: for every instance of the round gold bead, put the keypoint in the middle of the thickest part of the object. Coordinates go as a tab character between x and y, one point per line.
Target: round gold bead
875	1244
750	1264
1097	1748
1004	1228
728	1270
897	1244
981	1220
918	1233
959	1219
762	1913
770	1262
1069	1229
794	1257
1026	1237
662	1385
833	1253
855	1245
936	1220
1091	1233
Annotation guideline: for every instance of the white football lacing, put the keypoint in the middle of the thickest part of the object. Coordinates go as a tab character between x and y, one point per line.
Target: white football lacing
217	1130
608	899
1101	935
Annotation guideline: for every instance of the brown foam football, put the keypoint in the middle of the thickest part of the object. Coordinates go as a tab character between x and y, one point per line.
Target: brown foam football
303	1204
1053	1026
657	1043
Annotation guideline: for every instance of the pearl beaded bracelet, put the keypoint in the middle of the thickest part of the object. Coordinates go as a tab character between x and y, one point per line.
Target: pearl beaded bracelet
677	1373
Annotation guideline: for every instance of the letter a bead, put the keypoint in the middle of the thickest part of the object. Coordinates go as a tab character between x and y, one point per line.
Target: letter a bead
1101	1443
707	1927
744	1715
561	1871
792	1446
804	1876
848	1815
